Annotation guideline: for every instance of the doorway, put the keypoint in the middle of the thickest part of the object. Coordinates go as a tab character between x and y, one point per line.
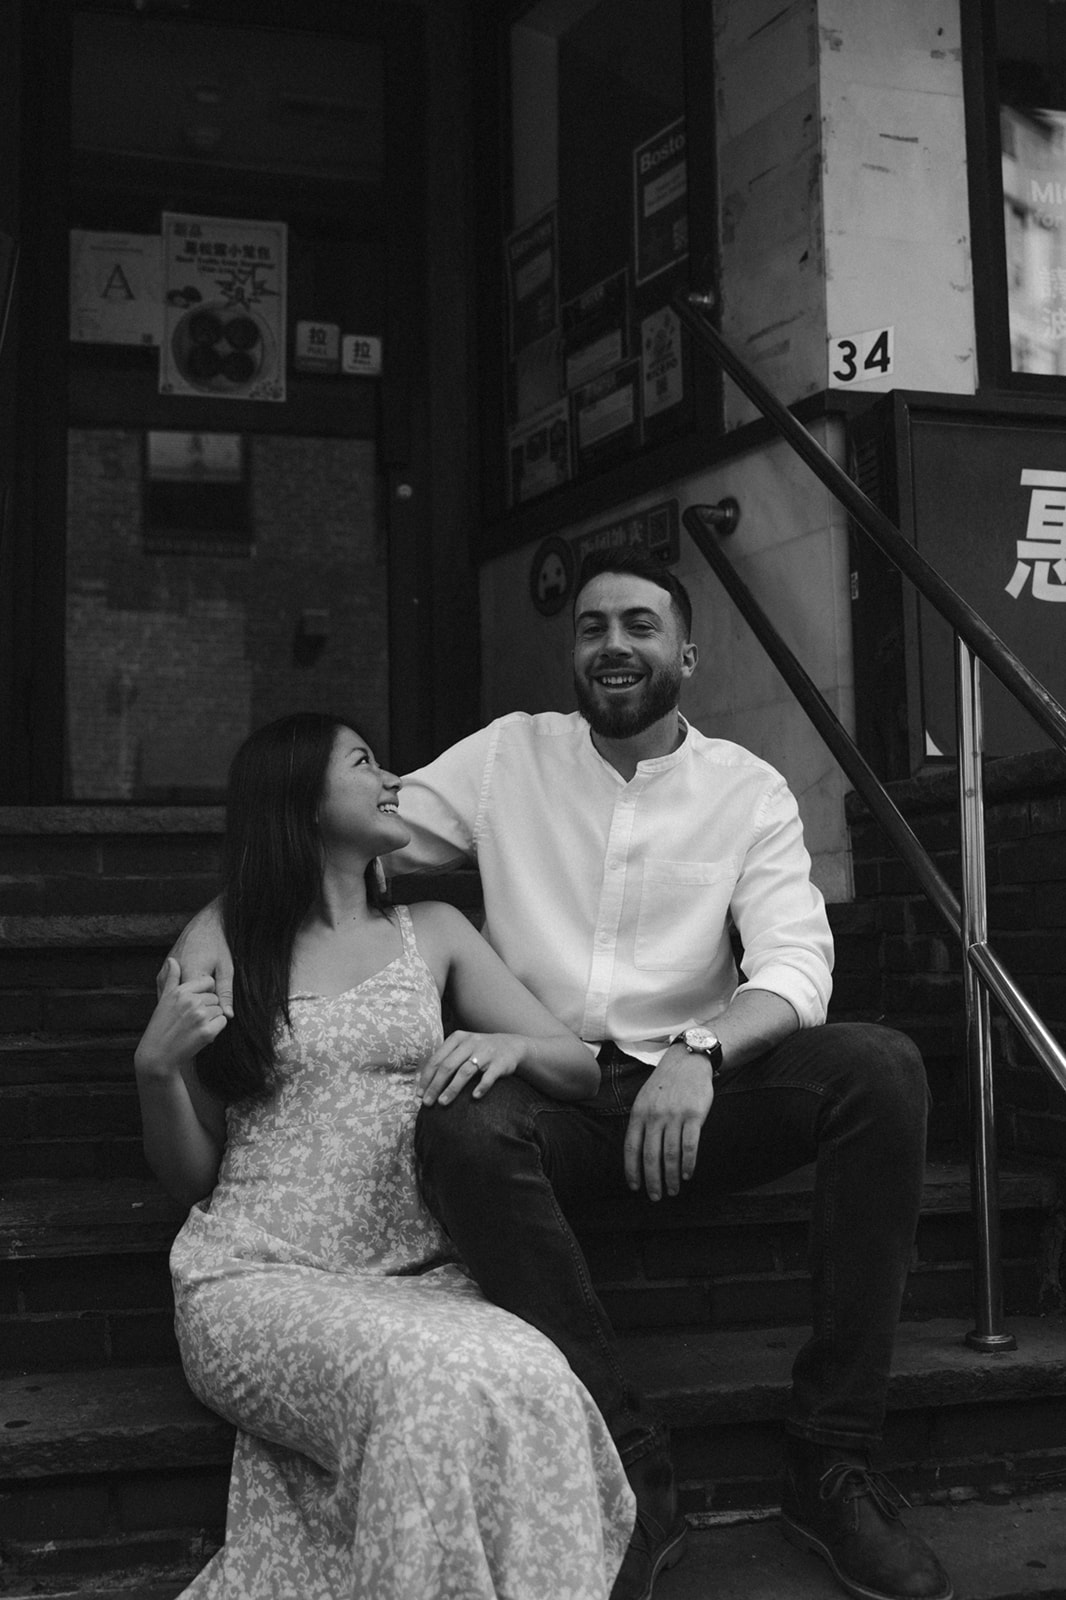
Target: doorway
238	237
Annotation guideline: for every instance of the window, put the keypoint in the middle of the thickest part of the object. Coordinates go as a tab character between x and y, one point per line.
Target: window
1015	61
196	499
605	200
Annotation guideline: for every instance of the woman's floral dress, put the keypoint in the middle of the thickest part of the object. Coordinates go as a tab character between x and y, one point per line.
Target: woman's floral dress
400	1438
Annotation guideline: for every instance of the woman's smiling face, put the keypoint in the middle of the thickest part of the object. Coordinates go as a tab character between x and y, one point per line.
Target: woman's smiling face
359	799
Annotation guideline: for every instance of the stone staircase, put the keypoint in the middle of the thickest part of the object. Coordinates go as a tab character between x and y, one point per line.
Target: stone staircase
113	1479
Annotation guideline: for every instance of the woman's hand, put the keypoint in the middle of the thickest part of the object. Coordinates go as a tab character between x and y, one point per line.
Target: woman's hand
184	1126
202	952
462	1056
186	1018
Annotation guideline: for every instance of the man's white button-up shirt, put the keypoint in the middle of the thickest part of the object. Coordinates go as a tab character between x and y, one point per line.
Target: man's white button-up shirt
612	901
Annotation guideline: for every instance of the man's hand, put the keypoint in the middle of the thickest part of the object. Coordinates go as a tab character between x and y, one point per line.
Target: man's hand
201	951
665	1123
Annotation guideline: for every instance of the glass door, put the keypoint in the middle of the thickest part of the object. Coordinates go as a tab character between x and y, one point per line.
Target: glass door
226	554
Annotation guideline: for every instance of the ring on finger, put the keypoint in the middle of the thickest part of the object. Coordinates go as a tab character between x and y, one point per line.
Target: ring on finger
475	1063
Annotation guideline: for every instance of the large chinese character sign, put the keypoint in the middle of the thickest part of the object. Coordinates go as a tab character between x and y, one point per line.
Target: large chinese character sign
990	514
224	308
1041	555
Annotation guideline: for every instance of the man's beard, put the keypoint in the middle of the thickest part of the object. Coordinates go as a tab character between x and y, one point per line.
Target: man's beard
658	695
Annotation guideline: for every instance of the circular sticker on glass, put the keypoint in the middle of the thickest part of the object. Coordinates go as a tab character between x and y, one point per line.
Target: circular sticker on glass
551	576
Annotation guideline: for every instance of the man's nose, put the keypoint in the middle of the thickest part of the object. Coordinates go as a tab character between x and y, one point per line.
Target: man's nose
615	641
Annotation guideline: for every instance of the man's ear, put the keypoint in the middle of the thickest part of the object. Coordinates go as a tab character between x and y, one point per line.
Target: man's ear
690	655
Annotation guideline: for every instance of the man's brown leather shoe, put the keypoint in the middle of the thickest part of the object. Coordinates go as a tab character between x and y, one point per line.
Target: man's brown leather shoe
659	1536
836	1506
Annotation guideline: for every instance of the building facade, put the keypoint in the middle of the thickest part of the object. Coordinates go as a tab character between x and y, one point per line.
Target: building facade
339	332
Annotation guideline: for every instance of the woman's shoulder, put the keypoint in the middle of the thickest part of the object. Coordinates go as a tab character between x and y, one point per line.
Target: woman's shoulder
440	932
436	918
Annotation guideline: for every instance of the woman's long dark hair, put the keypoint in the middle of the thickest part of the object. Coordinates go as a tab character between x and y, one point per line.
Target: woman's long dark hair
271	872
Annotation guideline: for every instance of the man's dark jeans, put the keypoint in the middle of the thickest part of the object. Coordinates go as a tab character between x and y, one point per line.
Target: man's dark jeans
503	1173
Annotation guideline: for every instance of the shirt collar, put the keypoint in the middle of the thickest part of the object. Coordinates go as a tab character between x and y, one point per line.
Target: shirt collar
652	764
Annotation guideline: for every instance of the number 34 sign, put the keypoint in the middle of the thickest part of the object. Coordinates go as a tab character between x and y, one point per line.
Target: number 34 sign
861	357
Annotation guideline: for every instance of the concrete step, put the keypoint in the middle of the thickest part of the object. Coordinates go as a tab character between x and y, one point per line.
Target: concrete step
124	1471
52	1217
26	1059
659	1267
40	1219
45	1112
125	1420
128	1584
958	1420
63	977
81	894
155	1564
84	1280
73	968
109	841
994	1550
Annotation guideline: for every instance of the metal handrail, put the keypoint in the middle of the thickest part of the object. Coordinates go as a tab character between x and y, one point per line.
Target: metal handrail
983	973
982	640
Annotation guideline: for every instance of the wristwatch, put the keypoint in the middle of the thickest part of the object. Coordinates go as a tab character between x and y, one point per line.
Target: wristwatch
702	1042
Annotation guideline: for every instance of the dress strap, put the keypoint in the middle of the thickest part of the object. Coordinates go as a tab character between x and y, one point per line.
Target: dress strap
407	930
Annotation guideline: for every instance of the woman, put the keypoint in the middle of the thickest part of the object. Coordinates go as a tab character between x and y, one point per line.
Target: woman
399	1437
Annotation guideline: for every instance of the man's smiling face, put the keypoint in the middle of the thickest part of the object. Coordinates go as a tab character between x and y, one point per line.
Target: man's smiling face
630	654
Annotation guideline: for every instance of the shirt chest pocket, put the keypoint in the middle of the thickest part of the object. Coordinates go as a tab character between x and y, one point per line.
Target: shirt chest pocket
684	907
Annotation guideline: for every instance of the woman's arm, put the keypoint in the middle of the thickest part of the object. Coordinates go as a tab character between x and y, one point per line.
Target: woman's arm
184	1126
505	1028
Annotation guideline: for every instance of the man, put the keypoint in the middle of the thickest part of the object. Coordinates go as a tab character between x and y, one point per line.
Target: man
619	849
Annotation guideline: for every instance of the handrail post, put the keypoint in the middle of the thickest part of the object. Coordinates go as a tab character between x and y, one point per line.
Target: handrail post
989	1334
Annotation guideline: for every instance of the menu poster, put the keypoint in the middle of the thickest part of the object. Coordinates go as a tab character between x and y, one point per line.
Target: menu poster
607	416
539	453
223	308
596	329
660	202
532	257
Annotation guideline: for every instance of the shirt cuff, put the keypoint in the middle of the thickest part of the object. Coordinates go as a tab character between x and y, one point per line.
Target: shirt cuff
803	995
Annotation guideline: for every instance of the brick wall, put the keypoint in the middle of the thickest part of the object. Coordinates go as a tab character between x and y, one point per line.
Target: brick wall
907	965
173	657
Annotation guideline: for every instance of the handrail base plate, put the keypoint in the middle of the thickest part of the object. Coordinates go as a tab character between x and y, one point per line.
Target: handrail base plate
991	1344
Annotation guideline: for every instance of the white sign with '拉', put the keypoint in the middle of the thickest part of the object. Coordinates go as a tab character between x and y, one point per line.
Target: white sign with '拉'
361	355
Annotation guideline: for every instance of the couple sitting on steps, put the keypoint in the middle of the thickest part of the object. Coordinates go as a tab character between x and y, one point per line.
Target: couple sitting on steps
377	1282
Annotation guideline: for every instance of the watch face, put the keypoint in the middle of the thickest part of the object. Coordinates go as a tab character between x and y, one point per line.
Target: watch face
701	1039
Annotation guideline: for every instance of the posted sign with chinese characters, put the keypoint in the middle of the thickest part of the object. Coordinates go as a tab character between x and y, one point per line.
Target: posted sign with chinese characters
223	308
1041	555
989	513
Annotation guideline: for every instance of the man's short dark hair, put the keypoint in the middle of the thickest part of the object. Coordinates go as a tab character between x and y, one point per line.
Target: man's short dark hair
636	562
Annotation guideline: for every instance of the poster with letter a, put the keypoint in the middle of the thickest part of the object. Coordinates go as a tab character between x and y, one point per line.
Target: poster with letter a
114	288
223	308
